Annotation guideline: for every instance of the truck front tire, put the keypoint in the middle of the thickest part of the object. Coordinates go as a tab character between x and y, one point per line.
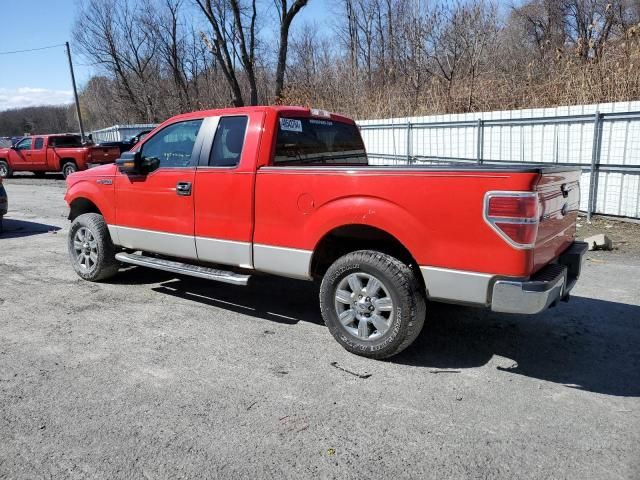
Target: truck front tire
90	247
5	169
372	303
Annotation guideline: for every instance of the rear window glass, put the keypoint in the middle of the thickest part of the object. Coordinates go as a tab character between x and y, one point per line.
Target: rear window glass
227	144
38	143
313	142
66	141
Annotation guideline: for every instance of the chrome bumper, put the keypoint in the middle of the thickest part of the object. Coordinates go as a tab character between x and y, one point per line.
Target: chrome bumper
552	283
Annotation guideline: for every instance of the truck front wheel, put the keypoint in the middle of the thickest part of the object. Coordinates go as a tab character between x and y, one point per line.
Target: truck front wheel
68	168
5	169
91	249
372	304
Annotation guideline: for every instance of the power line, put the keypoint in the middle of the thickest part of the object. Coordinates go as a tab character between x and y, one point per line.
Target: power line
32	49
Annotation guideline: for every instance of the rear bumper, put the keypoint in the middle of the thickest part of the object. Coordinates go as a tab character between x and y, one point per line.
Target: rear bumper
512	295
552	283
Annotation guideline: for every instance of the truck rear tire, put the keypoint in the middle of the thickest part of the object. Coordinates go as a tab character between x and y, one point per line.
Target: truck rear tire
68	168
5	169
90	247
372	303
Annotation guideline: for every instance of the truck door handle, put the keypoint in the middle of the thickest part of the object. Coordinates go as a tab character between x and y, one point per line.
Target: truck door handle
183	188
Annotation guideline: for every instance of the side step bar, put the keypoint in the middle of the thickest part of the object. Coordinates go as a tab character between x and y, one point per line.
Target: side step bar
184	268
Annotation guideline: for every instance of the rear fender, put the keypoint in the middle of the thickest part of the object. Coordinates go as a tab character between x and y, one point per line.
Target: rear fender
373	211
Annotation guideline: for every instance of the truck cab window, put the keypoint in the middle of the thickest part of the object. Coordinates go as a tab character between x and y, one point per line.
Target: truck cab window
228	142
66	141
24	144
39	143
173	145
318	142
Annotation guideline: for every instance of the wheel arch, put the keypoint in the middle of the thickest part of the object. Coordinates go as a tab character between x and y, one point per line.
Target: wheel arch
349	238
80	206
68	160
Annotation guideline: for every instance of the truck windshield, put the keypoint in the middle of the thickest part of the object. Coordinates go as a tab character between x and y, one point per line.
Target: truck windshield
314	142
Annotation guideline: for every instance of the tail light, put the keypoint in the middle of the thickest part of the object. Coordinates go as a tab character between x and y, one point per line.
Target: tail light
514	216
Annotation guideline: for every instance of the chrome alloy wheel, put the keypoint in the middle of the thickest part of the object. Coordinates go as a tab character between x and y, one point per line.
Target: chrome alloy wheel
4	171
68	169
364	306
85	248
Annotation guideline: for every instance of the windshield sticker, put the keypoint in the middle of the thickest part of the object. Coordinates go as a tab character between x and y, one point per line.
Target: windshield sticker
290	125
326	123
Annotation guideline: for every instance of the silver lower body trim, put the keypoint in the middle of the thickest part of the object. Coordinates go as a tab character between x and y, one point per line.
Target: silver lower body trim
172	244
224	252
288	262
457	286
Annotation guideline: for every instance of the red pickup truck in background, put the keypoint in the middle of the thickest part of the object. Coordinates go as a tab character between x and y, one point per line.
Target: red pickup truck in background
53	153
288	191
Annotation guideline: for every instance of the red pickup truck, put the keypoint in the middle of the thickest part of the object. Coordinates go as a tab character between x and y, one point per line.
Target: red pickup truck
288	191
53	153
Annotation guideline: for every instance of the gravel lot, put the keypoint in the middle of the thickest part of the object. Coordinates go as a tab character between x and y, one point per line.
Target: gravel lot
158	376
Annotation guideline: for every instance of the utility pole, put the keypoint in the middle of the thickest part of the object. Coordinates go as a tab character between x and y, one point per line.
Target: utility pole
75	91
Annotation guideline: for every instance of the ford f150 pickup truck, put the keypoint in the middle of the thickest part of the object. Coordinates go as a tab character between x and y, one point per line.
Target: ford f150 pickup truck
226	194
53	153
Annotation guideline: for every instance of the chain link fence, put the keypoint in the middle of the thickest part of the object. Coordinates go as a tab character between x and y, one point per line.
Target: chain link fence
603	140
118	133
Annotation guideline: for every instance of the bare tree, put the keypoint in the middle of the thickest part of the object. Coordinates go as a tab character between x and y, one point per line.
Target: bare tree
227	19
286	15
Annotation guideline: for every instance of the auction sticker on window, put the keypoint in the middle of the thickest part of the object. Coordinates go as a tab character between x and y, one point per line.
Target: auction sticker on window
290	125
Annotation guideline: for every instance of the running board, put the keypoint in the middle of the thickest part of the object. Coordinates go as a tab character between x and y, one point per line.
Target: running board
184	268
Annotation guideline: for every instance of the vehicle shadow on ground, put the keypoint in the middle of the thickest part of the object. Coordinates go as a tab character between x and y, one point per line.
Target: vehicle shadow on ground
21	228
275	299
26	178
587	344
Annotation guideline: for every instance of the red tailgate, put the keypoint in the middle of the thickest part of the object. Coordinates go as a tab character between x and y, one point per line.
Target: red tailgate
103	154
559	194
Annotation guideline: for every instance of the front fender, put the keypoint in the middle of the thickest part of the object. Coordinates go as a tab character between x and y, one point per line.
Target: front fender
100	194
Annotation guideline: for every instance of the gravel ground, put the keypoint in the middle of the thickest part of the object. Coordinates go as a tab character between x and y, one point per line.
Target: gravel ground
158	376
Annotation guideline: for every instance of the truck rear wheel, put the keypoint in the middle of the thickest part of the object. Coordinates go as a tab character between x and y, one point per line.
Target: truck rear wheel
90	247
372	304
68	168
5	169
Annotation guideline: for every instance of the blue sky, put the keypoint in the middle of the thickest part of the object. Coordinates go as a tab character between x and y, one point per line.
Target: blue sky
42	77
37	77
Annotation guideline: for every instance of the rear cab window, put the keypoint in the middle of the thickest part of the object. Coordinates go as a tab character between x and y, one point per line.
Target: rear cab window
66	141
318	142
228	142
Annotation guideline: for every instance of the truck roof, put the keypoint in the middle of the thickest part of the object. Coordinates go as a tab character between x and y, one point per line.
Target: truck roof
278	109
